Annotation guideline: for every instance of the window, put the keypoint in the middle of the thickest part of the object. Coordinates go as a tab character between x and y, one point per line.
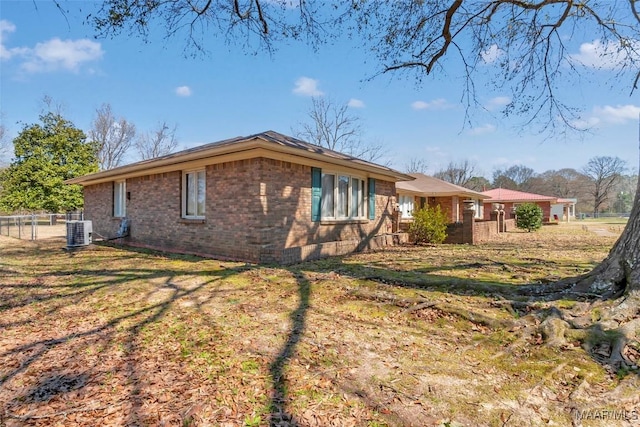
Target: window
357	195
479	209
406	206
193	194
328	195
343	196
119	199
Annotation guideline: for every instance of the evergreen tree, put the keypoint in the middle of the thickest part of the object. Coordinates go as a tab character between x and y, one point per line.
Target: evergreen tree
529	217
45	155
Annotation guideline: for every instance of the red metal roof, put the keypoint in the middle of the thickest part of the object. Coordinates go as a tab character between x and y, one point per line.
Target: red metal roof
504	195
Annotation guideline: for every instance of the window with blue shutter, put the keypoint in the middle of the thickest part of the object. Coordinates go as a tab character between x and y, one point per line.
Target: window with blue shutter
316	193
372	198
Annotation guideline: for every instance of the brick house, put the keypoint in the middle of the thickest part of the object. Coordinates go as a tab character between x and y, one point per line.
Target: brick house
512	198
429	191
263	198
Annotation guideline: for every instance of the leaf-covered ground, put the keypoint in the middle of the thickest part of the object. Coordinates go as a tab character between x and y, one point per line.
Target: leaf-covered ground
418	336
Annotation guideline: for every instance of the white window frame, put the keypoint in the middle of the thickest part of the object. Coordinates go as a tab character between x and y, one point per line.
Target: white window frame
341	209
406	204
479	209
120	199
192	206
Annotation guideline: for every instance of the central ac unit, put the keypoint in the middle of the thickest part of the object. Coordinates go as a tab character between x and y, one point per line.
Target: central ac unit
79	233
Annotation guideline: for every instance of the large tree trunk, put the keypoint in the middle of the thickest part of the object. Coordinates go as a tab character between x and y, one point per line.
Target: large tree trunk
619	273
614	289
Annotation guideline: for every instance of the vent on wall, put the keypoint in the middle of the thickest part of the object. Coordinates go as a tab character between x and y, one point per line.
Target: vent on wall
79	233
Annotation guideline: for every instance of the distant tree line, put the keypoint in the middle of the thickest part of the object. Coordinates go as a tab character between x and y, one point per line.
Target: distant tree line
603	185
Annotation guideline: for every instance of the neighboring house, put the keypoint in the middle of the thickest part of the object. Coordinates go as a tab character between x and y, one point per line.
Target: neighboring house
512	198
428	191
564	209
262	198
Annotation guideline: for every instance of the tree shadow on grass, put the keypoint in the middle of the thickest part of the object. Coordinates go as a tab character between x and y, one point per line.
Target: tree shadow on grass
63	372
126	330
87	281
279	414
543	299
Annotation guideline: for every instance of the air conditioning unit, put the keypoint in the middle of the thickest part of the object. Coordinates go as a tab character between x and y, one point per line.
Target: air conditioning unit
78	233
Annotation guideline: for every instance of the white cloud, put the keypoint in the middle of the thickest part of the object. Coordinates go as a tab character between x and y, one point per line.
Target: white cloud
497	102
58	54
492	54
617	114
435	151
483	130
183	91
436	104
585	123
307	86
7	27
608	115
607	55
52	55
355	103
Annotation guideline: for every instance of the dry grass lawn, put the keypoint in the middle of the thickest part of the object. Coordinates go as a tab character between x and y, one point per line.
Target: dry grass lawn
408	336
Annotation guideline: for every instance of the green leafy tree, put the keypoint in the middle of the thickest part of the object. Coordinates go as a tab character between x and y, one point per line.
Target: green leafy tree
45	155
429	225
529	217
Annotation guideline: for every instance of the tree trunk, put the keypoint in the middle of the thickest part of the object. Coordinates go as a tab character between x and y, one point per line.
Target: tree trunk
619	273
616	277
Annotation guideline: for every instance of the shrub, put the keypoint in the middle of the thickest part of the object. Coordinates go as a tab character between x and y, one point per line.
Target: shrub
429	225
529	217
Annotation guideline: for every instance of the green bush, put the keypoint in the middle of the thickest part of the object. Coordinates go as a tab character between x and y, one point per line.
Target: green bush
529	216
429	225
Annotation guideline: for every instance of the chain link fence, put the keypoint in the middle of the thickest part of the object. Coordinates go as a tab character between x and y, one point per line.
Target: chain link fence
35	226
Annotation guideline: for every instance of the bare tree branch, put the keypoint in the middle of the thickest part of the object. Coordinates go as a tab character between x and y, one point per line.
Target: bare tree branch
446	34
113	137
458	173
517	43
605	172
159	142
332	126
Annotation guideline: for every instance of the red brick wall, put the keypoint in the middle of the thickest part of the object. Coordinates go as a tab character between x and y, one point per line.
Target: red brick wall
446	206
508	208
255	210
98	207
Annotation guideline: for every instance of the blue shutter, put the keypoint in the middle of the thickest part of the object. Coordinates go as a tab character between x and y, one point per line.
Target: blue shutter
372	198
316	193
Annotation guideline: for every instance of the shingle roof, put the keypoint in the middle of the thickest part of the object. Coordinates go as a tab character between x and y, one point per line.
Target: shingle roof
433	187
504	195
260	144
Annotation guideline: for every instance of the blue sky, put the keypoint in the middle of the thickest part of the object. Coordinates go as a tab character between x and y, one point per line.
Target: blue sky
230	93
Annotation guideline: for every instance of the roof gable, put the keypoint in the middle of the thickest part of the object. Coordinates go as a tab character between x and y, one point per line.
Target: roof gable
268	144
505	195
429	186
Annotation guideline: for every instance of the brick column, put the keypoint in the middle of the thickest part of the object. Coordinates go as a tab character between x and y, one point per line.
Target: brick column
502	225
468	218
495	216
395	218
